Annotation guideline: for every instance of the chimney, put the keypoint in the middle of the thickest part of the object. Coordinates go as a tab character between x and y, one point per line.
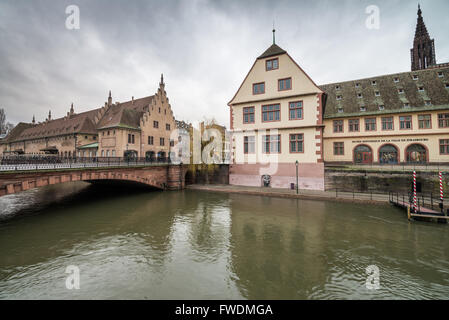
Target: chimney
110	99
72	111
132	100
49	115
34	120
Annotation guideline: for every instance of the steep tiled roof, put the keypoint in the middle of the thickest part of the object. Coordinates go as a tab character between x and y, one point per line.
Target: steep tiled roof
416	90
77	123
16	131
125	114
274	50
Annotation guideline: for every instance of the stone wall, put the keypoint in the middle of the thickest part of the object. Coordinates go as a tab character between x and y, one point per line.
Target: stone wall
384	181
207	174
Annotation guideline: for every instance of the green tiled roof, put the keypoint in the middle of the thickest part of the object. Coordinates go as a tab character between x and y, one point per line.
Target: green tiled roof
90	145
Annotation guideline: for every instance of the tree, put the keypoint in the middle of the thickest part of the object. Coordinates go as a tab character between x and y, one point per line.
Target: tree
5	127
2	121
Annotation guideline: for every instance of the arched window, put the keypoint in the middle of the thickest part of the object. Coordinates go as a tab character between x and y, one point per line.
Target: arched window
416	153
363	154
388	154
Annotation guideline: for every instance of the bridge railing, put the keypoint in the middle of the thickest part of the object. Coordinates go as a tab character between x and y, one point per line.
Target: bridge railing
47	163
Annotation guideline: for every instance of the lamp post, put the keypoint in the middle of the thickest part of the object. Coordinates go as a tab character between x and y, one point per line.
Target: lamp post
297	164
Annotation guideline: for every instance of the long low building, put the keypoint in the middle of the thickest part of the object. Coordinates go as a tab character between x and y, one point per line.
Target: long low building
136	128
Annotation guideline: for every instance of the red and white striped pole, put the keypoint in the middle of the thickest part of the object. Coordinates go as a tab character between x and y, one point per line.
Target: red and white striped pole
441	187
415	198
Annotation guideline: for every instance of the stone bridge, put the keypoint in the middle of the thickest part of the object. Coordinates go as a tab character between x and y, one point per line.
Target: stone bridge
162	176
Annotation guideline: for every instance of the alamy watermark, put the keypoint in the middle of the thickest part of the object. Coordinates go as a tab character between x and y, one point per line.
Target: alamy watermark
372	22
73	280
373	277
72	22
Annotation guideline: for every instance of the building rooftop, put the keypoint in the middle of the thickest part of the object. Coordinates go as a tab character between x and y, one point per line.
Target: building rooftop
401	92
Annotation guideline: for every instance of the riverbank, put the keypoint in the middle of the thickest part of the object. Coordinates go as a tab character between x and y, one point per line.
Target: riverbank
334	195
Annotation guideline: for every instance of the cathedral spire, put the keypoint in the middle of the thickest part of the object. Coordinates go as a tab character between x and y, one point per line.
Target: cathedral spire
423	52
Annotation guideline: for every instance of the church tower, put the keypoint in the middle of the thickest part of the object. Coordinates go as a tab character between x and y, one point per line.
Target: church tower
423	52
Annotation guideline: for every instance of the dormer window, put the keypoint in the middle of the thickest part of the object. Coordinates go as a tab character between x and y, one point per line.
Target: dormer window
357	85
447	85
396	80
272	64
420	89
339	97
374	82
381	107
340	110
363	109
427	103
401	91
359	95
415	77
406	105
337	87
377	94
440	74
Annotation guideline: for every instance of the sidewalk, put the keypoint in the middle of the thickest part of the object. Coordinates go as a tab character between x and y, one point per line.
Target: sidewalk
371	198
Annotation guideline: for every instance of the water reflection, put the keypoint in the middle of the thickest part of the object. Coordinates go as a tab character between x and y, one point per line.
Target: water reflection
132	244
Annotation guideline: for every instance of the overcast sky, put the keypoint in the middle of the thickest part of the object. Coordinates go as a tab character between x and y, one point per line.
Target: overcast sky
203	48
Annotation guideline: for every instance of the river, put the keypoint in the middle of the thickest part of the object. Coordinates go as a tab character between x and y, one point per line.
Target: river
136	244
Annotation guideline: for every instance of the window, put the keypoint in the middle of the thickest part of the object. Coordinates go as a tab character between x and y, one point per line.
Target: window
387	123
113	153
155	124
415	77
406	105
357	85
396	80
339	148
362	109
443	120
381	107
427	102
446	85
248	115
259	88
272	64
297	143
271	113
339	97
401	91
440	74
340	110
444	146
420	89
130	138
167	127
353	125
162	141
172	143
107	153
377	94
370	124
337	87
405	122
374	82
272	144
249	145
425	121
338	125
296	110
285	84
102	153
359	95
150	140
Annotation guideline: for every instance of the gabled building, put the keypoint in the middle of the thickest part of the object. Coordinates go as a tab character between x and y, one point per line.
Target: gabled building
136	128
276	121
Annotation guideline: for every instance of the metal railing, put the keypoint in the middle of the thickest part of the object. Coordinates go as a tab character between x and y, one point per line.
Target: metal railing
403	166
30	163
428	201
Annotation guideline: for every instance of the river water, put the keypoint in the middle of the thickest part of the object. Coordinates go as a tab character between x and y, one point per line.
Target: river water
136	244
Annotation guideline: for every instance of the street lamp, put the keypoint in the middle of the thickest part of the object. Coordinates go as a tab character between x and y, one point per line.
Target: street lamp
297	164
